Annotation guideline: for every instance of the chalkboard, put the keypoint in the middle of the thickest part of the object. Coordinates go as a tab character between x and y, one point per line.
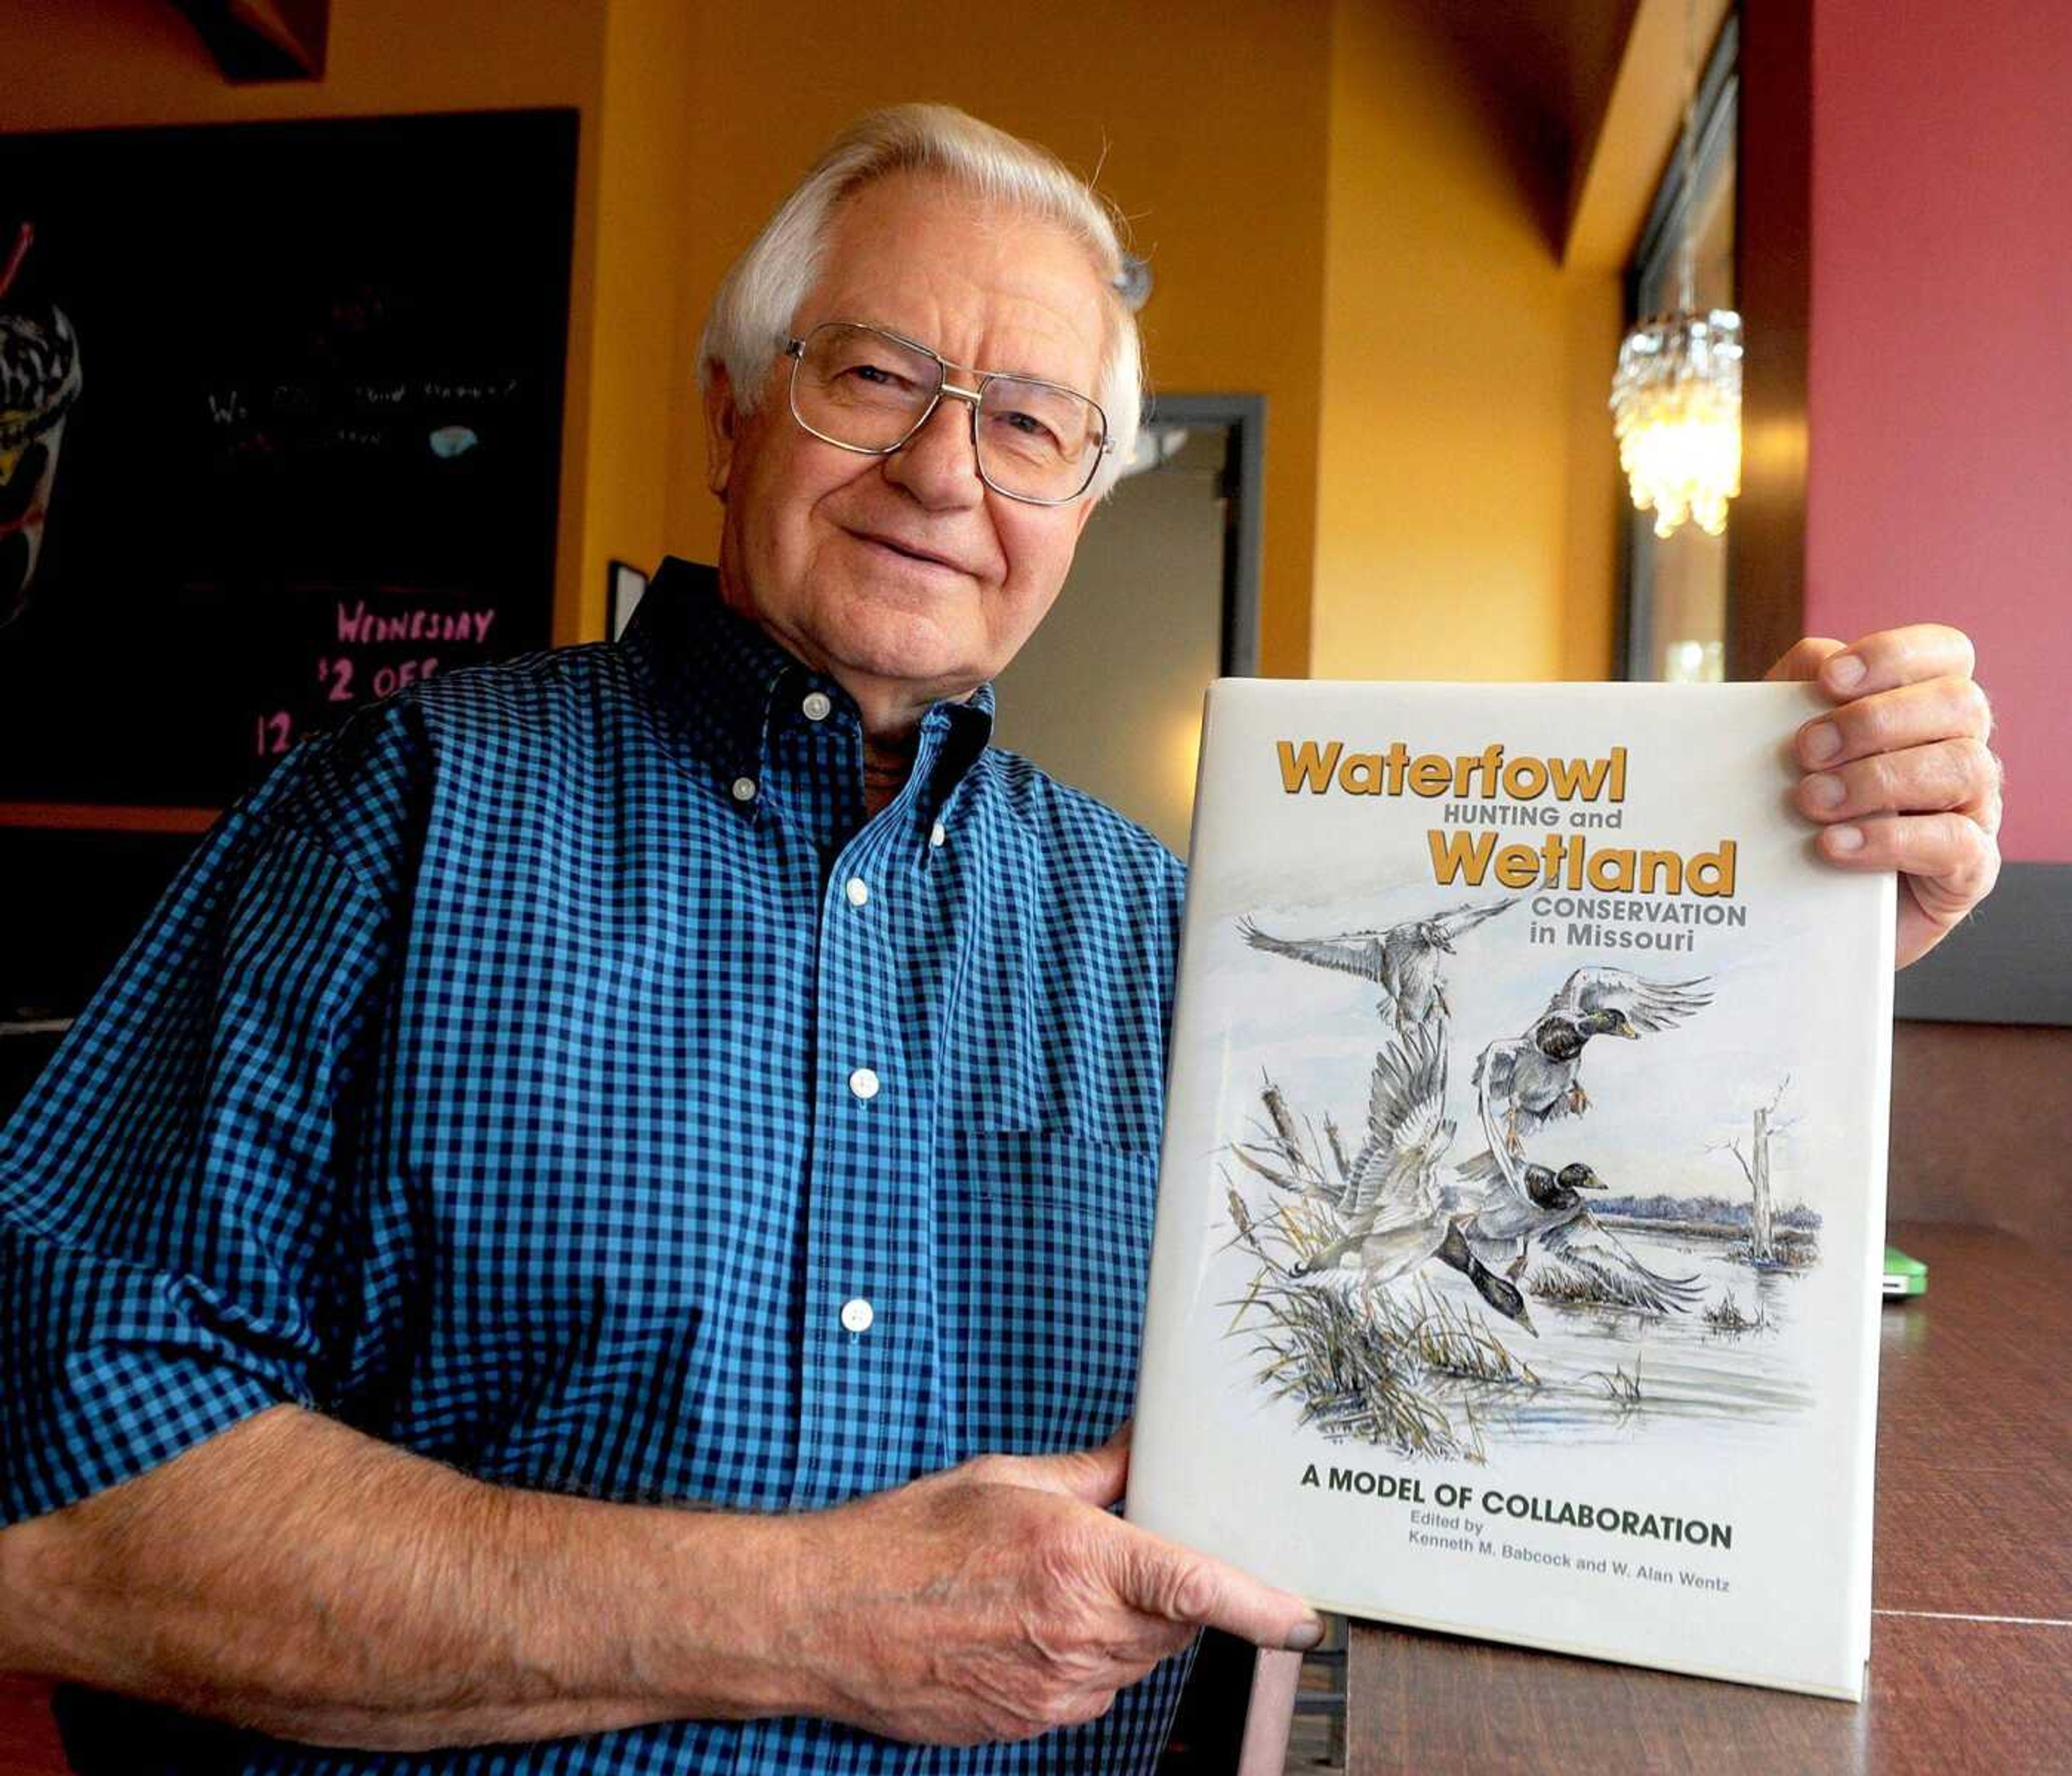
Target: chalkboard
309	451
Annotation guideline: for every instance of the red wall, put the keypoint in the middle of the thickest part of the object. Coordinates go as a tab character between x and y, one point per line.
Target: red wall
1940	361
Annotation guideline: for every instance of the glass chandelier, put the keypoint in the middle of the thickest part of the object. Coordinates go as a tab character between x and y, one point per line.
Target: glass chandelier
1676	396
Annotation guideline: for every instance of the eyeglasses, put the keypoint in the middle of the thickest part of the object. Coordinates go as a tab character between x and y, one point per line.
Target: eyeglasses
864	389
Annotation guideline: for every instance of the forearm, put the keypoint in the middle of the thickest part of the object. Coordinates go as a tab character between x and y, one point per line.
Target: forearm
294	1576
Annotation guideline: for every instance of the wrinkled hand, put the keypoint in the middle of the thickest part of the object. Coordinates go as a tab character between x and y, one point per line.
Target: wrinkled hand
998	1600
1899	773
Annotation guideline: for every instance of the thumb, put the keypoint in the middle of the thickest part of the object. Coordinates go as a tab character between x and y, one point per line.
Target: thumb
1094	1477
1162	1578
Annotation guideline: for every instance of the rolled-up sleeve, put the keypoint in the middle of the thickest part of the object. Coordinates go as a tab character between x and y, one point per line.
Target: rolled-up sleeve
172	1190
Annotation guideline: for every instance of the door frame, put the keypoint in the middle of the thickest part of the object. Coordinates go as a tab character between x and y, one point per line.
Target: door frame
1244	493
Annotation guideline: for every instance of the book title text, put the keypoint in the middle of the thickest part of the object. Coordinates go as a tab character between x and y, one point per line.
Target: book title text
1489	790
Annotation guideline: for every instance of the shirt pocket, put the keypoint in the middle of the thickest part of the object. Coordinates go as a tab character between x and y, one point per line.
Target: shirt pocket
1046	1237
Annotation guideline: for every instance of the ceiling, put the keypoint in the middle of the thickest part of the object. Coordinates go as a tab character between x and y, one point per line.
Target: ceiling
1546	70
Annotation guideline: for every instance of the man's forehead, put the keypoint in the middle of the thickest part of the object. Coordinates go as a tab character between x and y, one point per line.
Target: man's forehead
926	258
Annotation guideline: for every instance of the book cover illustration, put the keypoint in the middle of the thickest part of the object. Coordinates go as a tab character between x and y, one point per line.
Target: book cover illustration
1666	1293
1523	1174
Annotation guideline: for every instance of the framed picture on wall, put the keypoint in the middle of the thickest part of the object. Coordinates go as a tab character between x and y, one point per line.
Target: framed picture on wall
626	585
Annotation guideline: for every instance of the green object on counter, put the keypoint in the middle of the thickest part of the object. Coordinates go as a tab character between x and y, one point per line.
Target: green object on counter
1904	1276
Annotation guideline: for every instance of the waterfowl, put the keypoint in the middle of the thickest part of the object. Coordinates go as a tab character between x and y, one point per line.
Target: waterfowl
1535	1203
1534	1078
1392	1214
1402	959
1389	1210
1532	1202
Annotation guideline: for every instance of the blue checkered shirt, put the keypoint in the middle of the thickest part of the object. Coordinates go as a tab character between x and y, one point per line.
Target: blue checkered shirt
541	1072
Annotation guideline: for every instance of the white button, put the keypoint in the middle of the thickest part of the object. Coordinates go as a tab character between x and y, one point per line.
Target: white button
856	1315
817	705
857	889
863	1082
744	789
935	833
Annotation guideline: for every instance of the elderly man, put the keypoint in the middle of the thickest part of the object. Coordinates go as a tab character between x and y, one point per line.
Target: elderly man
693	1073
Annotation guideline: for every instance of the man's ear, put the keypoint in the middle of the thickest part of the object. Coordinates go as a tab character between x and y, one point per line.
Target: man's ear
722	426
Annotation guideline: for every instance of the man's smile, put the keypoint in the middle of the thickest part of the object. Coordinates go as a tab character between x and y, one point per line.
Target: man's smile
917	553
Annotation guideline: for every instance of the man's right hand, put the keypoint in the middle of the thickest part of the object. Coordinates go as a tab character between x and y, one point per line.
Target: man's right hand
295	1575
999	1600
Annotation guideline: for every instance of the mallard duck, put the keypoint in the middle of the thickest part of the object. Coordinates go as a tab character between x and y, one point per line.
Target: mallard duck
1532	1202
1402	960
1392	1214
1534	1078
1536	1202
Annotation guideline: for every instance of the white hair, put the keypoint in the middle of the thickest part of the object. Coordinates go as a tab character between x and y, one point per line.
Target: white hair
752	311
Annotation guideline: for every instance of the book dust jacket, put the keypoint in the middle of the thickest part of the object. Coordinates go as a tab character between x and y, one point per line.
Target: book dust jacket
1522	1202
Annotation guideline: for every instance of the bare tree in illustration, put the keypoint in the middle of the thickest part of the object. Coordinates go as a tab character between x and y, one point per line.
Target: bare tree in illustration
1755	1167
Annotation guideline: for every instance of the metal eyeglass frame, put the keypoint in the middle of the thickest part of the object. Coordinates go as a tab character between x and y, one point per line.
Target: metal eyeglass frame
795	349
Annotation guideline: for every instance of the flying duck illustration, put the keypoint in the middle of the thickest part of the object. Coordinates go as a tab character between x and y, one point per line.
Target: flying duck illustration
1534	1202
1391	1210
1402	959
1533	1080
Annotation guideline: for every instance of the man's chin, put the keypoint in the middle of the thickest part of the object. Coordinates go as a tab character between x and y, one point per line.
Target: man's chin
927	641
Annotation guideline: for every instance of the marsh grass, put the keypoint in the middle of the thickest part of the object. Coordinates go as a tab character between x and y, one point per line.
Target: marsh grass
1725	1315
1623	1390
1790	1250
1569	1289
1363	1362
1345	1374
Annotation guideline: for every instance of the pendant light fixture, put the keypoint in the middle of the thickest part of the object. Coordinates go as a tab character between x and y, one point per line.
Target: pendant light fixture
1676	397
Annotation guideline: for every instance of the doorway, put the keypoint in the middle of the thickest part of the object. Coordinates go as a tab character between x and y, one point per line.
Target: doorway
1163	597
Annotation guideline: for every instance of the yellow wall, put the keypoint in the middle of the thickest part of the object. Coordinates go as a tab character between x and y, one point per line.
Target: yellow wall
639	353
1330	220
137	62
1466	493
1207	122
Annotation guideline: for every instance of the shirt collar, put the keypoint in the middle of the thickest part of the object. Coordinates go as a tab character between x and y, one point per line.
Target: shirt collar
729	690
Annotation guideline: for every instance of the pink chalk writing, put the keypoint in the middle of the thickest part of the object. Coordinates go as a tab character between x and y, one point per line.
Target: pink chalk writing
357	623
274	732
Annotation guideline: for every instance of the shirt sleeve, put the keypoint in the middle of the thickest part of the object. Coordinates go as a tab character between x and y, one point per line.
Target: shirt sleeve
169	1188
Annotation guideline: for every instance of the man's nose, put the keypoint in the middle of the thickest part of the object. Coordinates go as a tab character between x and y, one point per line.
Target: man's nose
939	465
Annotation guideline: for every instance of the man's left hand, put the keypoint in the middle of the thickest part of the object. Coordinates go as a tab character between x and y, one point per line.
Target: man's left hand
1899	774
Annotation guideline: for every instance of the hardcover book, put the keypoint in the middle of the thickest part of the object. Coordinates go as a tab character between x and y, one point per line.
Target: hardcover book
1521	1213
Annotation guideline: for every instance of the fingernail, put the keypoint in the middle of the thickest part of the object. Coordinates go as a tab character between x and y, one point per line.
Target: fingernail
1845	838
1822	741
1825	792
1845	672
1304	1635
